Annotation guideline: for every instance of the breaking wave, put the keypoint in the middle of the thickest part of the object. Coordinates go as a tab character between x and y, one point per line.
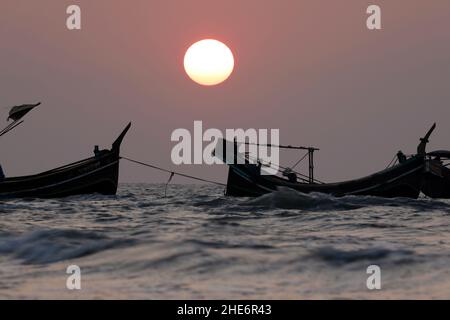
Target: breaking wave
286	198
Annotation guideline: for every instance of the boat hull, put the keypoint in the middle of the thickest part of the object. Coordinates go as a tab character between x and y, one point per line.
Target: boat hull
403	180
93	175
436	180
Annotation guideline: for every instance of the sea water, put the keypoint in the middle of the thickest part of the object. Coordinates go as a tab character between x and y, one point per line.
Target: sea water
195	243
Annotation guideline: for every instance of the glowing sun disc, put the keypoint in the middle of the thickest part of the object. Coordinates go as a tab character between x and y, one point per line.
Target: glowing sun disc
208	62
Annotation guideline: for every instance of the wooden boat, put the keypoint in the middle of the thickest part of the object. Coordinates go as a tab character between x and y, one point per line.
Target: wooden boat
400	180
436	178
403	180
97	174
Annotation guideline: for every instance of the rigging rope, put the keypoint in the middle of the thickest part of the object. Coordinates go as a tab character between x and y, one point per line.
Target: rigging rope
310	149
172	172
301	159
11	126
393	161
303	177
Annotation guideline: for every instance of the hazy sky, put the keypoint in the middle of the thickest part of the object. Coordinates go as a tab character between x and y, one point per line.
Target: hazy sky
310	68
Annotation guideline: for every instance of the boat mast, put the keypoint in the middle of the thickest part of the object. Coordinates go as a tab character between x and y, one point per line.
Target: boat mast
16	114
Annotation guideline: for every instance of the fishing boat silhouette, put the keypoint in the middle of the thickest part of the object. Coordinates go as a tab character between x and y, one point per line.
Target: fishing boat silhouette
97	174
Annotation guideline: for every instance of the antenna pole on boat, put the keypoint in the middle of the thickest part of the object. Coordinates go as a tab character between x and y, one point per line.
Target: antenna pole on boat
311	164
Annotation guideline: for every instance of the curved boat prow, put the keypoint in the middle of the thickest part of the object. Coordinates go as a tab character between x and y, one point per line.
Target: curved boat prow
116	144
421	148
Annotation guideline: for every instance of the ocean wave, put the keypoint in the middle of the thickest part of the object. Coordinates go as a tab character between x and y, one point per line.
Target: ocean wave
286	198
213	203
49	246
229	245
336	256
286	242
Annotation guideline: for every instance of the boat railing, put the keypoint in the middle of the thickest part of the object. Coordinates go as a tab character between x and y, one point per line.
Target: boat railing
303	177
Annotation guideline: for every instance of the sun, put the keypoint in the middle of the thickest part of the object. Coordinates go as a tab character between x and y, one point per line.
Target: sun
209	62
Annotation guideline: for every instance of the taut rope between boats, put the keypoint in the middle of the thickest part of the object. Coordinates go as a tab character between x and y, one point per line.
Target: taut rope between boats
172	173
